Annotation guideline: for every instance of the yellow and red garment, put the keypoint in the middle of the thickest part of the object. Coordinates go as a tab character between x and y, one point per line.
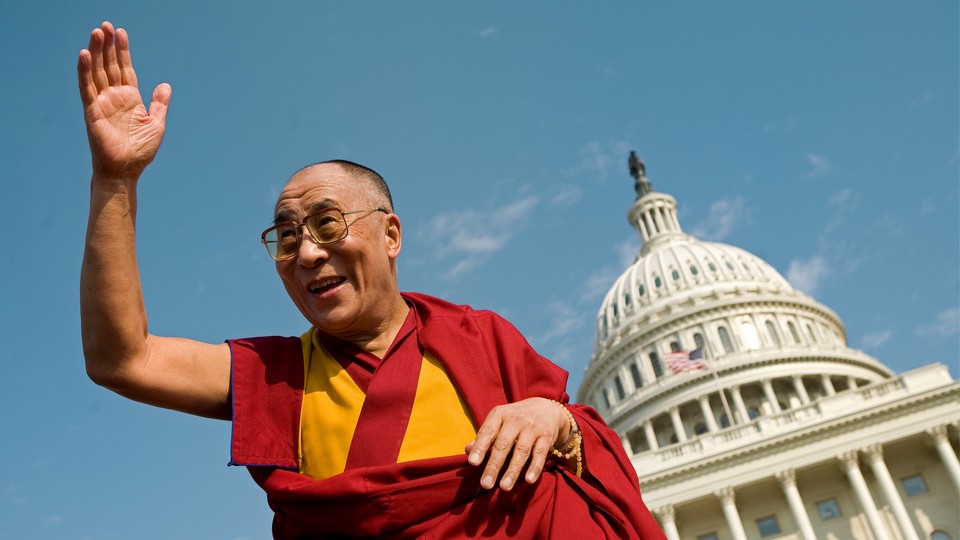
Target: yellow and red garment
489	364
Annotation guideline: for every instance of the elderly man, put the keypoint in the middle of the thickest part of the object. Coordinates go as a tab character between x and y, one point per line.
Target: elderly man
397	415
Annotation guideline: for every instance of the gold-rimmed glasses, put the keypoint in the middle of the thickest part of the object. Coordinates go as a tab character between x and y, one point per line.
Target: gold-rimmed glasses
324	227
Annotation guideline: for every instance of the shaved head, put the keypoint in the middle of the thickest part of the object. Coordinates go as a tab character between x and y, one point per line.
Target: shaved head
379	193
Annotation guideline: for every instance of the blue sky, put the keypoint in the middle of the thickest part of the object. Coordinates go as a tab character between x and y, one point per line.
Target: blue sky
821	136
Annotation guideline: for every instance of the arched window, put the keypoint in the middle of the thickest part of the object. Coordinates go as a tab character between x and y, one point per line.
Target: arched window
674	346
813	337
618	384
675	275
939	535
725	339
724	420
749	334
753	412
698	340
635	374
655	364
700	428
774	337
793	332
606	397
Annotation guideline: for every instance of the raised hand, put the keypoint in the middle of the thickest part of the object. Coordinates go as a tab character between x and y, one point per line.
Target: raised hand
124	137
523	432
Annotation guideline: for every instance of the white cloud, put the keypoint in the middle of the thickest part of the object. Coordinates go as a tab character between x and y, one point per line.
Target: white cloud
872	341
946	325
928	97
598	283
627	251
820	165
807	275
598	160
488	32
566	196
564	320
842	202
721	219
470	236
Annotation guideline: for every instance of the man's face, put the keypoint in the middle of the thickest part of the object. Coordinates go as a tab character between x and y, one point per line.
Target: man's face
342	288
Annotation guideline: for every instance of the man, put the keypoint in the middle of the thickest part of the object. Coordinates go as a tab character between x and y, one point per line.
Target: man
396	415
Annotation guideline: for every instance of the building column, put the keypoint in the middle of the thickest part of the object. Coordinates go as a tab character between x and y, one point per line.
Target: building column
942	443
708	414
852	383
827	383
658	218
668	521
627	447
801	390
874	454
850	464
771	397
788	481
651	436
739	406
726	497
678	424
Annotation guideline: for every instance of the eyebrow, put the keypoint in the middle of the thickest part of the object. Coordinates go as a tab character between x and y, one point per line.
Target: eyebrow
284	216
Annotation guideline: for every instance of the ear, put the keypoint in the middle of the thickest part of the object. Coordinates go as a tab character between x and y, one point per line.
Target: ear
393	235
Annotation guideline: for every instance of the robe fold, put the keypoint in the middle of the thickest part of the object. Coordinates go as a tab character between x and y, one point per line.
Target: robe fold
491	364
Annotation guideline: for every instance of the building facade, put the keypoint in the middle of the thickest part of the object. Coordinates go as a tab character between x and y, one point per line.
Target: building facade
745	412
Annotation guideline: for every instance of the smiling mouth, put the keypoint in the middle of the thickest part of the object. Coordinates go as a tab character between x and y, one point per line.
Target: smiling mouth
320	287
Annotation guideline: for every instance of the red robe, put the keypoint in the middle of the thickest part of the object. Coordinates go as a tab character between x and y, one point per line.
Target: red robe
491	364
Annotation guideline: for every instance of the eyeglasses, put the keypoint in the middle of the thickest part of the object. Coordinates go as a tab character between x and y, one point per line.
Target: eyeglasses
324	227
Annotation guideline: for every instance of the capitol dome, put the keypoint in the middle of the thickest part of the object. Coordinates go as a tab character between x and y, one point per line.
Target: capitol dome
736	396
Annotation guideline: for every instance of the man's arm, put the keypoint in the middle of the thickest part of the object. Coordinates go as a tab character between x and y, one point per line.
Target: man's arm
124	137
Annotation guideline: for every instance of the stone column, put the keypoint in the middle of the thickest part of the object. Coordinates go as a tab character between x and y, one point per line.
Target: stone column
851	467
788	481
827	383
740	407
668	521
852	383
658	217
627	447
874	454
941	442
771	397
678	424
651	435
726	497
708	413
801	390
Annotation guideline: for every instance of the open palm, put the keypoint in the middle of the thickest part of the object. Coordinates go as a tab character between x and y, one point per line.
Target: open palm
124	136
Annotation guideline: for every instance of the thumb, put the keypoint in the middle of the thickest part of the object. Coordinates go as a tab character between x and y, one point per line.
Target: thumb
160	102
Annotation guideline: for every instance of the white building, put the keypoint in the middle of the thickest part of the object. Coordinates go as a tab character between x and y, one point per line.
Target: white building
788	433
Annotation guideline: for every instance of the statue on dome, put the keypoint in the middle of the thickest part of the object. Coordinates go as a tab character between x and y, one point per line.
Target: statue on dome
639	173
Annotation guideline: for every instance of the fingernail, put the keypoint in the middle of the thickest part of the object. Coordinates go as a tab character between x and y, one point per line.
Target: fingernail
474	458
487	482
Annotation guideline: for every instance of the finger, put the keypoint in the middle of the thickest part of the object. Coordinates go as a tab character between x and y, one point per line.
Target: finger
498	455
160	102
485	435
96	55
540	452
518	459
110	65
127	75
88	90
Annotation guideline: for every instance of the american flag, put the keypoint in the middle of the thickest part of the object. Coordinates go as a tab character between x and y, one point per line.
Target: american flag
681	361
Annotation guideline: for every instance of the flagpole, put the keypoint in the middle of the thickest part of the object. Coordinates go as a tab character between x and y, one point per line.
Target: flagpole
723	395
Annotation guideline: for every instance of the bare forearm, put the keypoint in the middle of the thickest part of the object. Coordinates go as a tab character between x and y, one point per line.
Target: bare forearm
112	314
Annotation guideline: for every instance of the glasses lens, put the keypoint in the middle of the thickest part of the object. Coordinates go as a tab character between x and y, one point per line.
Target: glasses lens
281	242
327	226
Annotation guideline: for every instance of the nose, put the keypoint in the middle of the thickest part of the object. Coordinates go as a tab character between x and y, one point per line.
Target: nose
309	253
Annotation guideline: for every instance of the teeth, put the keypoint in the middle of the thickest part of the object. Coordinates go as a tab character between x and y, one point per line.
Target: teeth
325	283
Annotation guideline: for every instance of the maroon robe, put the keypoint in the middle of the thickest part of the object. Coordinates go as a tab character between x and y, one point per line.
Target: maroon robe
491	364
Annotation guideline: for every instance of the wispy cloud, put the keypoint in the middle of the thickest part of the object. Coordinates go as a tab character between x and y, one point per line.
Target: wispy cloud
599	159
807	275
468	238
627	251
842	203
598	283
565	318
566	196
876	339
946	325
488	32
928	97
819	164
721	219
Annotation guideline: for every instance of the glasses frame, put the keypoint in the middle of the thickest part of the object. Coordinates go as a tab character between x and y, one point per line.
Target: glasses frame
302	225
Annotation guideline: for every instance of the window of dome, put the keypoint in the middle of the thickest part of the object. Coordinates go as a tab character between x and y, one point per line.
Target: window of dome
753	413
724	420
745	267
712	267
642	290
635	374
618	384
627	300
676	275
793	332
725	339
657	282
694	270
674	346
768	526
813	337
606	397
751	338
729	265
700	428
772	330
698	340
655	364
